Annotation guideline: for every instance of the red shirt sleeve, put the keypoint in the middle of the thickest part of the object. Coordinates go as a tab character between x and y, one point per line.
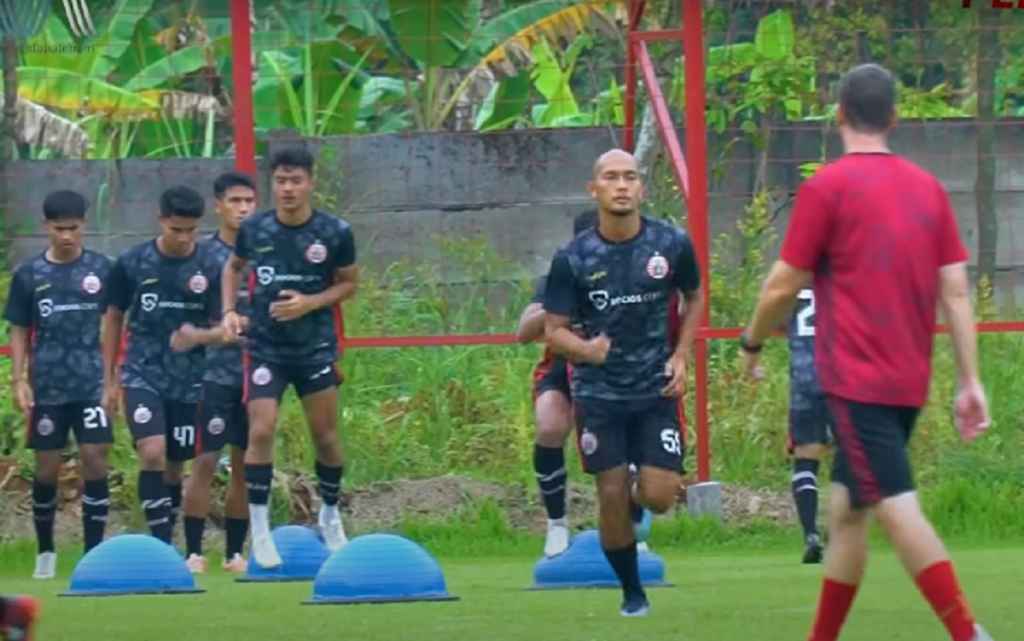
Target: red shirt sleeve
807	234
951	248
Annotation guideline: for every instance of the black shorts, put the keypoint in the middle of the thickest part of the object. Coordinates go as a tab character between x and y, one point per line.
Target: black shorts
51	424
150	415
264	379
551	374
872	461
614	433
810	422
222	419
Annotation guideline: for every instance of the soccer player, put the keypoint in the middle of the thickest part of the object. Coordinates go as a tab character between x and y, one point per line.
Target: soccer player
55	307
18	616
222	415
617	282
553	412
161	285
877	236
302	267
810	426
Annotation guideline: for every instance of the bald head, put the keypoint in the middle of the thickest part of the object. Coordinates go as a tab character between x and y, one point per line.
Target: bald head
616	157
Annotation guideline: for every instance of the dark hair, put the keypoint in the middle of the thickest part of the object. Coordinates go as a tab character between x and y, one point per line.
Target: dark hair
584	221
64	204
293	157
181	201
231	179
867	96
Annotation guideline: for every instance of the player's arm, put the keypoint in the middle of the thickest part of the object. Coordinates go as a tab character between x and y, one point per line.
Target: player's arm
346	281
19	313
558	304
954	298
778	296
230	282
531	324
120	292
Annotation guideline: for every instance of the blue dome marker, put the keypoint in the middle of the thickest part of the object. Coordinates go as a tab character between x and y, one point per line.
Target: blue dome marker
302	553
380	568
131	564
584	565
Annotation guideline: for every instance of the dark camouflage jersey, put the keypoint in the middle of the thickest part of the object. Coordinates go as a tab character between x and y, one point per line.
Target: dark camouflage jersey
224	363
63	305
803	378
160	293
302	258
624	290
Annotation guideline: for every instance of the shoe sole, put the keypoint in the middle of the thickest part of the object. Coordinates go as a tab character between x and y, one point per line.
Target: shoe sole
639	613
813	555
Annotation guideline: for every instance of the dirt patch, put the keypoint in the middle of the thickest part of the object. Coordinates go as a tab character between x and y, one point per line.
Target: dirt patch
742	505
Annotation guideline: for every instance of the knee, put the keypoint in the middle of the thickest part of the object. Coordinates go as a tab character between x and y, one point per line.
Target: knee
325	435
47	470
94	461
205	466
152	453
551	434
261	432
659	498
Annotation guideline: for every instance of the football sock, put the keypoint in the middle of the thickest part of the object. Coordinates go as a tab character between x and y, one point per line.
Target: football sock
833	606
329	483
44	508
805	493
549	465
95	507
627	569
940	587
194	526
156	504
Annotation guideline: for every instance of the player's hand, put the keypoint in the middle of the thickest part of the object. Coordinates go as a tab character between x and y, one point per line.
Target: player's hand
184	338
111	400
597	350
752	365
233	325
971	411
24	399
289	306
675	372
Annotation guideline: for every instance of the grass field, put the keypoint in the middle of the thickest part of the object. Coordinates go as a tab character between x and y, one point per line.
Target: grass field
718	596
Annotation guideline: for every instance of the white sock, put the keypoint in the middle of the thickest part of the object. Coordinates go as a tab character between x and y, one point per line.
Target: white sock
558	522
259	519
328	513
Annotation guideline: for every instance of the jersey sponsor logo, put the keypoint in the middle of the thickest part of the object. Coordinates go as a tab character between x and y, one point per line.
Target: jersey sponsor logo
198	284
46	307
261	375
45	426
601	299
588	442
142	415
215	426
316	253
265	275
149	301
91	284
657	267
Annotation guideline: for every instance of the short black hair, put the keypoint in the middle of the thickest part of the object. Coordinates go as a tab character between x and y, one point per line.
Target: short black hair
293	157
584	221
64	204
230	179
181	201
867	96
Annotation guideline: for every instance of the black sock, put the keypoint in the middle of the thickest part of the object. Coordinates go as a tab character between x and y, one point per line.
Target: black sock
257	482
95	506
194	526
549	465
627	568
175	493
235	531
329	482
805	493
156	504
44	509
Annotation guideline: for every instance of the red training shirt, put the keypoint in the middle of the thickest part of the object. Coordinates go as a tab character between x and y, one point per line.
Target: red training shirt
874	228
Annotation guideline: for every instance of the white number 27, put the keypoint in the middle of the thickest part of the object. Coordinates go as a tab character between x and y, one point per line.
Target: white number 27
805	318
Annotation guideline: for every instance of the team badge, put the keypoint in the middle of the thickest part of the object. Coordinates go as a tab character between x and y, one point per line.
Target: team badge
198	284
261	375
588	443
91	284
657	267
316	253
215	426
142	415
45	426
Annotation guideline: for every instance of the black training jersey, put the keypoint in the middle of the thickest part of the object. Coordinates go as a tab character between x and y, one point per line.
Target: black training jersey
802	375
161	293
62	305
301	258
223	363
624	290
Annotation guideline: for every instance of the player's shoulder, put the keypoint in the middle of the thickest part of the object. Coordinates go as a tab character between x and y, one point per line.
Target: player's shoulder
260	220
330	223
97	261
665	233
27	268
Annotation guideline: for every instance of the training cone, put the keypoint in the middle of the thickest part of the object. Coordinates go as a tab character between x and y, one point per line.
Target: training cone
131	564
380	568
584	565
302	553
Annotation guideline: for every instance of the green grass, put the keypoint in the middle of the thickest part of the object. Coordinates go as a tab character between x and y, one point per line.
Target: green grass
717	597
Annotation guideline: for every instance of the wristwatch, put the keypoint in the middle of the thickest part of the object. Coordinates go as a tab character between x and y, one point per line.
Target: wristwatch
747	346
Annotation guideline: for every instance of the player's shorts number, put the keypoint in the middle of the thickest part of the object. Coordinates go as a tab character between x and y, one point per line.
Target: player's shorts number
670	441
94	418
185	435
805	318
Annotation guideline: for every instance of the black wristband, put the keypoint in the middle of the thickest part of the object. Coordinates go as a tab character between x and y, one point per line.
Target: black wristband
746	346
